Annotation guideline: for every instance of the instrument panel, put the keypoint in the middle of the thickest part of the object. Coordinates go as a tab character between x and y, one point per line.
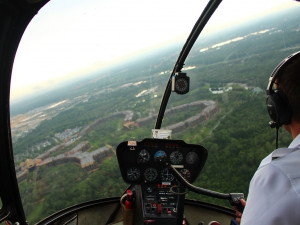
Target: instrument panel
146	162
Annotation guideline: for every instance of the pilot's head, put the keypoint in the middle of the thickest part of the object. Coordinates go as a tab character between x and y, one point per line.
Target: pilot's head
289	82
283	102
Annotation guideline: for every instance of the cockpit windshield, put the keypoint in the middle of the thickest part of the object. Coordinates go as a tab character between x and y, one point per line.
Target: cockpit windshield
89	75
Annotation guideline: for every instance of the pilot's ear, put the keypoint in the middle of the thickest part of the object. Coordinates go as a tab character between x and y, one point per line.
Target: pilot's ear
276	84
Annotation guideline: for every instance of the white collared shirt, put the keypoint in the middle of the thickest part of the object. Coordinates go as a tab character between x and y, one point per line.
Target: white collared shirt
274	192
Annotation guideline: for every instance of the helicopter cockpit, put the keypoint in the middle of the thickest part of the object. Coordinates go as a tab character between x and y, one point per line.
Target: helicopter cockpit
132	113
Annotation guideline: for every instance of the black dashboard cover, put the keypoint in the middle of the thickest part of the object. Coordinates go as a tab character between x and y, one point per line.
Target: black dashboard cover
146	161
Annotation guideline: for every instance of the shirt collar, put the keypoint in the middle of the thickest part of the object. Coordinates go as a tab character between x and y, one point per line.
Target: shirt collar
294	146
280	152
296	142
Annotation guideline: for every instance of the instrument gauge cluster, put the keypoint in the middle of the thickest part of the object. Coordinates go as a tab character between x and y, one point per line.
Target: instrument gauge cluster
146	162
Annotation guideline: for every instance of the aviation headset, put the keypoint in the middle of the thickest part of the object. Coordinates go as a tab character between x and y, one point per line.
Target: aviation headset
278	106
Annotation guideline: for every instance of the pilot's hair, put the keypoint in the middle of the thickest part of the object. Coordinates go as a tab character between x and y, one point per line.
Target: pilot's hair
289	82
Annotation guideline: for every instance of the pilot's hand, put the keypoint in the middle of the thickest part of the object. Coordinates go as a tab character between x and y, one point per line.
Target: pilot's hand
239	214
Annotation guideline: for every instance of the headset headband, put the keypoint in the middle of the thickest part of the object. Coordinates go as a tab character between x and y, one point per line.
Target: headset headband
277	70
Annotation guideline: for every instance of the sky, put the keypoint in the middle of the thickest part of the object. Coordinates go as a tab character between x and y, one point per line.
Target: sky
68	38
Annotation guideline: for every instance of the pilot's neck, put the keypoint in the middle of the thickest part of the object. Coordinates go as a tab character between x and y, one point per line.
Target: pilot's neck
293	128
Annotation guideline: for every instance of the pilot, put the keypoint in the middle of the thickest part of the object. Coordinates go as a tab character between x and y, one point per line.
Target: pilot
274	191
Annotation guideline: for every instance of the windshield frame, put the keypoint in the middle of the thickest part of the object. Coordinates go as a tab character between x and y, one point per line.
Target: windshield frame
209	10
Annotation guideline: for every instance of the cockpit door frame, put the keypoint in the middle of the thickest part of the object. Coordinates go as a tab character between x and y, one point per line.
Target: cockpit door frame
15	15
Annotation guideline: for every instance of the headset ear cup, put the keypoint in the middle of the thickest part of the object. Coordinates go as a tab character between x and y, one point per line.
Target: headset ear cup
272	108
278	108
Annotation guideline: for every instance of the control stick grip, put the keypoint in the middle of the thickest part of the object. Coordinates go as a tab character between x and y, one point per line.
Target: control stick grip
235	200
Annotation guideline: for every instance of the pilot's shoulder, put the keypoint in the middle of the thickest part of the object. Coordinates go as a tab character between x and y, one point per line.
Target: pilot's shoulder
284	170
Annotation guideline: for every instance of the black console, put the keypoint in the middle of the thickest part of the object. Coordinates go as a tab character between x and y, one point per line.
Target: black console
145	164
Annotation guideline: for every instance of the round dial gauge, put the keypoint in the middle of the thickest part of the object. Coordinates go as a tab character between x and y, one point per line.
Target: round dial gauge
143	156
185	173
133	174
166	175
176	157
150	174
192	158
160	156
181	85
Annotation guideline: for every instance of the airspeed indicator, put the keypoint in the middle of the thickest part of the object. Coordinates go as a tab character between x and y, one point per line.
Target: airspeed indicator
143	156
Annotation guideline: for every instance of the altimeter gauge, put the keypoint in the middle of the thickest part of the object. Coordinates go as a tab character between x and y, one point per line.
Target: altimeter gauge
176	158
133	174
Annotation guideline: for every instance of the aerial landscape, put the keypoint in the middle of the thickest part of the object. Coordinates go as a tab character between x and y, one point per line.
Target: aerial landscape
66	139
